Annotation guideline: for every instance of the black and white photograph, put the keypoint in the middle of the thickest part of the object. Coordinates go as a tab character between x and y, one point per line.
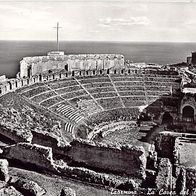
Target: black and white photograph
97	97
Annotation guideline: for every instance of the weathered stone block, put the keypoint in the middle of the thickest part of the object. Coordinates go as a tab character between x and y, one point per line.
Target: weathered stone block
4	174
181	182
129	185
58	144
164	145
40	156
66	191
91	176
128	160
9	191
164	176
191	180
16	135
29	188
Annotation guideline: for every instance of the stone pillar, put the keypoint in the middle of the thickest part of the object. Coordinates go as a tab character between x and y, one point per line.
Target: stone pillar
69	74
9	85
23	69
24	81
4	88
13	84
181	182
19	83
30	81
63	75
56	76
36	78
50	77
43	78
164	176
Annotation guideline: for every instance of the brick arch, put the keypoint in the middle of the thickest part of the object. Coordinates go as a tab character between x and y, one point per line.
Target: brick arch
187	104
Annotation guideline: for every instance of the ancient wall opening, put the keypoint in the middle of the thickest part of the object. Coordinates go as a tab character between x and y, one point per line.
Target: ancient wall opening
188	114
66	67
167	118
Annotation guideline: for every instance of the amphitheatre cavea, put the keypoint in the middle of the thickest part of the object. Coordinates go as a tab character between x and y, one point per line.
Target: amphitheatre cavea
98	124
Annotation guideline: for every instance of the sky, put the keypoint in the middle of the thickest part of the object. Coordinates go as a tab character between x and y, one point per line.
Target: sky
99	20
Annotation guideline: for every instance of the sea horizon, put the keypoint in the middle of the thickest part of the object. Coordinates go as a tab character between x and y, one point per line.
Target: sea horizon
126	41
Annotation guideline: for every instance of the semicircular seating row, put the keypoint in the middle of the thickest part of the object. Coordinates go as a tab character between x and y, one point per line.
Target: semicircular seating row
78	98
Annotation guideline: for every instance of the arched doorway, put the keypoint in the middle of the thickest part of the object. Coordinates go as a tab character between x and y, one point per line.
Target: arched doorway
29	72
167	118
188	114
66	67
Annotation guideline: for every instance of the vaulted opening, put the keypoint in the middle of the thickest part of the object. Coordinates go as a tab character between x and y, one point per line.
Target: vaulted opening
188	114
167	118
66	67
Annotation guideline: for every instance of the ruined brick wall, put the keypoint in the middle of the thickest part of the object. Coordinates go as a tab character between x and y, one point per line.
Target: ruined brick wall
40	67
129	160
30	154
191	181
39	64
164	175
186	181
15	135
58	145
164	145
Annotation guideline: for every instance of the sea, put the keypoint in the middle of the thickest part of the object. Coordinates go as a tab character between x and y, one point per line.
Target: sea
12	52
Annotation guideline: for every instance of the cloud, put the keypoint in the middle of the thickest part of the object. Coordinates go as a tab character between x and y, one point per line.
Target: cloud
138	20
93	31
24	10
190	23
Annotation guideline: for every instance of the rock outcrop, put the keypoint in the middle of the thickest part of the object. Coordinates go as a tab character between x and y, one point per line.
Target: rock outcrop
9	191
66	191
29	188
